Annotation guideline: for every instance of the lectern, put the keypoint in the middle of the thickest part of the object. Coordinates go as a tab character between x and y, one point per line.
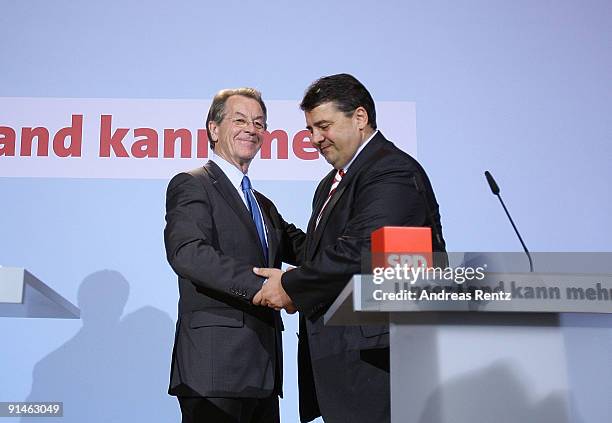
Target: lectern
23	295
477	359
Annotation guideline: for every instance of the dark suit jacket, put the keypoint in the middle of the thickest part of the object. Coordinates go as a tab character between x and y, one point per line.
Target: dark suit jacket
384	186
224	346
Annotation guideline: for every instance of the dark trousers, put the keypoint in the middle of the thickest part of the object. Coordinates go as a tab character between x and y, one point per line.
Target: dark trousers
229	410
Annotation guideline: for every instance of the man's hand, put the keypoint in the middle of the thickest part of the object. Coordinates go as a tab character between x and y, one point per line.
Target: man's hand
272	293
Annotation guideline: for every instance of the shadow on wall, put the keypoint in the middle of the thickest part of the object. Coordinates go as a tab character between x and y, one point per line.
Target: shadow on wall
115	369
479	397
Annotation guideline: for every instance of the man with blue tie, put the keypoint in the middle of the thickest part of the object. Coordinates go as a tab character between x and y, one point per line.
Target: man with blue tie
227	357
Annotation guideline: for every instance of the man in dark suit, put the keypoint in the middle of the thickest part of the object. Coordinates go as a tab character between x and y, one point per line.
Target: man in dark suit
227	357
344	370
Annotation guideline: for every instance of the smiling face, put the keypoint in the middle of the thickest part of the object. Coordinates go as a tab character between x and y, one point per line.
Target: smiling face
239	135
336	135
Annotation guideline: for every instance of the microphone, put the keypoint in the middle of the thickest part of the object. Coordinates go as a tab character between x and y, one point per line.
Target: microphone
495	190
492	183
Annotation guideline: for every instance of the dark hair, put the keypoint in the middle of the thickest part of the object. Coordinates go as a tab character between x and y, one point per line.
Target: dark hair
216	113
345	91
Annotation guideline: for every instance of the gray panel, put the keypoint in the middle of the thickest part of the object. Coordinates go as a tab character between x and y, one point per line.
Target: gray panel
36	299
11	285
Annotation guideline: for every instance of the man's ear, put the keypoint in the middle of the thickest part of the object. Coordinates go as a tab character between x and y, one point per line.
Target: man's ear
361	117
213	131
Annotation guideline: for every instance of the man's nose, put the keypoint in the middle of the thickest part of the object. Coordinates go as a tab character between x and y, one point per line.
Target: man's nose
250	127
316	138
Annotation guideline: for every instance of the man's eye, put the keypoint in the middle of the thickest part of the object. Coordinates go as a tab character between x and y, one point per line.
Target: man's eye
258	125
240	122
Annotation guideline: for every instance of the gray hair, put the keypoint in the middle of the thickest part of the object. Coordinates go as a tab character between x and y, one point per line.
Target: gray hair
216	113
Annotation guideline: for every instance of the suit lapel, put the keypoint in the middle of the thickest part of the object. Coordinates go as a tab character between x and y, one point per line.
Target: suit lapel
320	197
223	185
318	232
364	157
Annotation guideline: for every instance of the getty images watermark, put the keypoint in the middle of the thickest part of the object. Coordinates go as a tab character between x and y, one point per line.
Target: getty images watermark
404	278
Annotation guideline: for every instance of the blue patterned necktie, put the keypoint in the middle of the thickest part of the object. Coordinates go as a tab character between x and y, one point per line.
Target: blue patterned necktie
255	213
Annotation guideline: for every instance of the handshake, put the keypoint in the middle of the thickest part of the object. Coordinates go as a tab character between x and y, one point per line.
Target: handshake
272	293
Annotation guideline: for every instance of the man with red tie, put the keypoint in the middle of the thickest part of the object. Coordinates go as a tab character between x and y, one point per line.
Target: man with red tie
227	357
344	370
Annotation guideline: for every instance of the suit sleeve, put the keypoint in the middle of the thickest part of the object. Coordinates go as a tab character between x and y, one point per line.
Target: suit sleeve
293	242
189	236
385	196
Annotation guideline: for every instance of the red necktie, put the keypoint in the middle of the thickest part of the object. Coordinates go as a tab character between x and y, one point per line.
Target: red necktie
332	190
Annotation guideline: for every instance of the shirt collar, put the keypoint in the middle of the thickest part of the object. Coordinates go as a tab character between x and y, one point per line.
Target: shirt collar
361	147
232	172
